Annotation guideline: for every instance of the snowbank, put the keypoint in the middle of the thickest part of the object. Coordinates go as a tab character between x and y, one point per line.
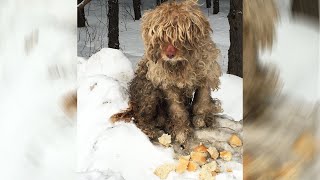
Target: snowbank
108	62
231	96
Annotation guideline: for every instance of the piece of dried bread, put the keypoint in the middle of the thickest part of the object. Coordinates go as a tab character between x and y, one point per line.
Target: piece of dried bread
201	148
226	155
192	166
235	141
165	140
183	164
199	157
213	152
207	171
163	171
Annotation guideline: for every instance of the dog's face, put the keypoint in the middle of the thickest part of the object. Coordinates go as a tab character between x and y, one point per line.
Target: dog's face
173	31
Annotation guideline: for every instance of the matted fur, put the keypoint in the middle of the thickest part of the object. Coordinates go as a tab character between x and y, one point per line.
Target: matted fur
162	90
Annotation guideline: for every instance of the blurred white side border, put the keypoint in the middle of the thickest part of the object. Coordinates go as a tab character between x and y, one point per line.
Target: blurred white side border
37	69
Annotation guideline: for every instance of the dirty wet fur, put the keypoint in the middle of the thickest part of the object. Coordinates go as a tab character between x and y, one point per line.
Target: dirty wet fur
174	95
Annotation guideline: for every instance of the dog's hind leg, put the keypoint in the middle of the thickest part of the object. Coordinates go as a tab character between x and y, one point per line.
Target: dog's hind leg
146	117
145	99
204	107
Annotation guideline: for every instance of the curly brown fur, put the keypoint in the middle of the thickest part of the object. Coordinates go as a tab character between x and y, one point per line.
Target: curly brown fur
162	90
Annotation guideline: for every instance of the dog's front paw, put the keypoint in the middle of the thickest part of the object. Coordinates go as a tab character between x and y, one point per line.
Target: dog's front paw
182	135
203	120
198	121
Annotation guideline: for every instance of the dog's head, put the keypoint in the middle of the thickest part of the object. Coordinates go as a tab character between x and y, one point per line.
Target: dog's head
173	31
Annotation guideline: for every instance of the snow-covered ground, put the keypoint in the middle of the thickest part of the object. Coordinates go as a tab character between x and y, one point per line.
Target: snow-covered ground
107	150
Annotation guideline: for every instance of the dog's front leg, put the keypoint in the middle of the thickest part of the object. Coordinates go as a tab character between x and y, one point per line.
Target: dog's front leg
178	115
204	107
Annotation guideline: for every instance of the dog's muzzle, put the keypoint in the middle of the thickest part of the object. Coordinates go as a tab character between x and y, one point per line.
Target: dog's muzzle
171	51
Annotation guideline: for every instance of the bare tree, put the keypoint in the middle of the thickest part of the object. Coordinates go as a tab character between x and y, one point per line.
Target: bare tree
113	31
208	3
136	9
81	19
216	6
83	3
308	8
235	50
160	1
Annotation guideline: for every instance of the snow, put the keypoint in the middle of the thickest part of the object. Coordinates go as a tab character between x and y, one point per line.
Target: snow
121	150
230	94
110	153
107	62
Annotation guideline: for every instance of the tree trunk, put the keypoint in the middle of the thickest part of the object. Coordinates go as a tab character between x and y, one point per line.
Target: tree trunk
208	3
216	6
81	19
308	8
113	30
160	1
235	50
137	10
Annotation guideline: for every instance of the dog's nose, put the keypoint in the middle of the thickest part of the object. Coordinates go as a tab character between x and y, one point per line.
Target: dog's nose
171	51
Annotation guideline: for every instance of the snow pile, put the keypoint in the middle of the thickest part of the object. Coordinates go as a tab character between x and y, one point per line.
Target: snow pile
37	67
121	150
231	96
107	62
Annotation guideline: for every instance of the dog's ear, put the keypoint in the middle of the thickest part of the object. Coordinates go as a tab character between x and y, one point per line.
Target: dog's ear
145	25
200	27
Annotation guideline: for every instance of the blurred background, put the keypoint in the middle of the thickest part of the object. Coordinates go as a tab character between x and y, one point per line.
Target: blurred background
281	89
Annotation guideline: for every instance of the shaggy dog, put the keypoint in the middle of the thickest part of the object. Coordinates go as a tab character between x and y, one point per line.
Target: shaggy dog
170	92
